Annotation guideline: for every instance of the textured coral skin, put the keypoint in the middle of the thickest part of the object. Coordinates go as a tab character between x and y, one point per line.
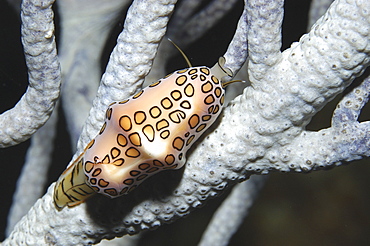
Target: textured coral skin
260	131
34	108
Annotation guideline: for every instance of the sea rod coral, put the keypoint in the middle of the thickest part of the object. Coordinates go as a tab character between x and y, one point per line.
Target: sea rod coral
263	130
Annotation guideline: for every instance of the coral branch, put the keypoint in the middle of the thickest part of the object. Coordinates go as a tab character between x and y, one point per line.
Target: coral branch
36	105
345	141
237	52
349	108
317	9
200	22
85	28
228	217
264	35
31	182
130	60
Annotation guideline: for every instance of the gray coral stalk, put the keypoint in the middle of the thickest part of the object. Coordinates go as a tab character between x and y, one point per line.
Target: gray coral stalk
34	108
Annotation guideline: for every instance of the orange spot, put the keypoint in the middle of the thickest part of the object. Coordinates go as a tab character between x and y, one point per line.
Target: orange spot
178	143
106	160
155	112
177	115
89	166
139	117
205	70
185	105
132	152
165	134
148	131
135	139
157	163
176	95
103	128
121	140
190	140
125	123
111	192
222	100
169	159
134	173
155	83
108	114
217	108
193	71
210	109
209	99
193	121
90	144
181	80
207	87
201	127
124	101
214	79
206	117
138	94
183	70
168	75
166	103
162	124
115	152
123	191
128	181
103	183
118	162
96	172
189	90
218	92
144	166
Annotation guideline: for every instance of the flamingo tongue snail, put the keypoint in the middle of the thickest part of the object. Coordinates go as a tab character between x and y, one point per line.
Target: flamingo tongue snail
145	134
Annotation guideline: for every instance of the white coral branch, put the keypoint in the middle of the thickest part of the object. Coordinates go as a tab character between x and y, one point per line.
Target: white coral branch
228	217
36	105
130	61
317	9
346	140
31	182
196	25
264	35
85	27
